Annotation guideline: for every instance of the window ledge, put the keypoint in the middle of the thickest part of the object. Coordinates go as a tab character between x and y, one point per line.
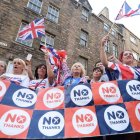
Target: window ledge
20	44
115	36
27	8
51	20
85	47
134	44
86	20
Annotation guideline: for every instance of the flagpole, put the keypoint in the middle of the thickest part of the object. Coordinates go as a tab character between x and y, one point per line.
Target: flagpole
45	44
111	28
115	20
45	40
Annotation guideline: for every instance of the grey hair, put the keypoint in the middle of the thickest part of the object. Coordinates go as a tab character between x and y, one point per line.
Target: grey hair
82	68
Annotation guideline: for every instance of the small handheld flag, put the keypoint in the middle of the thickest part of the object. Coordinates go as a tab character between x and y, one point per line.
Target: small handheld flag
56	58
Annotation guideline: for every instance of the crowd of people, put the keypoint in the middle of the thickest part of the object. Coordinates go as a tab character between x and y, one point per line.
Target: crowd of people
107	69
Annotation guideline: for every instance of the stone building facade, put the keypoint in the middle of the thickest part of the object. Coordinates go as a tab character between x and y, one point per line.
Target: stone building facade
69	25
131	42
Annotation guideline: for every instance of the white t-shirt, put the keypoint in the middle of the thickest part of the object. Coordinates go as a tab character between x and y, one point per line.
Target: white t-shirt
22	80
40	83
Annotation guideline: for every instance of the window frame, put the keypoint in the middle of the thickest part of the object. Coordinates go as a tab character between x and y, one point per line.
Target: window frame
84	40
106	27
50	36
133	39
107	46
85	60
113	32
29	1
49	14
115	51
84	12
135	54
23	41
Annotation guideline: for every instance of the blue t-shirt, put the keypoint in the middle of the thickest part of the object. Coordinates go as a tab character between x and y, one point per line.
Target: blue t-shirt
71	81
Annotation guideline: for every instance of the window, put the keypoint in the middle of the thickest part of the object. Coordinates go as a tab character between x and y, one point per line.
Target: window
84	62
113	32
85	14
49	40
24	42
53	13
106	27
136	55
107	48
83	38
133	39
115	50
35	5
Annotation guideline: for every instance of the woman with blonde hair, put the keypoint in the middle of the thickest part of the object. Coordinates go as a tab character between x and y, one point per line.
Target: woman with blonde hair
82	70
19	74
75	76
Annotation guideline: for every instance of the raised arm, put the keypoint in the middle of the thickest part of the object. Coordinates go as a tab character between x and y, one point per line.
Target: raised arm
29	69
50	72
103	56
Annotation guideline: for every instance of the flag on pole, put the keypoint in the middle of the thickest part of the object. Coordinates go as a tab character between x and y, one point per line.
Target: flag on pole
33	30
125	11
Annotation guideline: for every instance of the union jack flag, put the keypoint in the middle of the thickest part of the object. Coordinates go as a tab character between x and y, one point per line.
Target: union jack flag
124	72
125	11
34	30
137	12
55	57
